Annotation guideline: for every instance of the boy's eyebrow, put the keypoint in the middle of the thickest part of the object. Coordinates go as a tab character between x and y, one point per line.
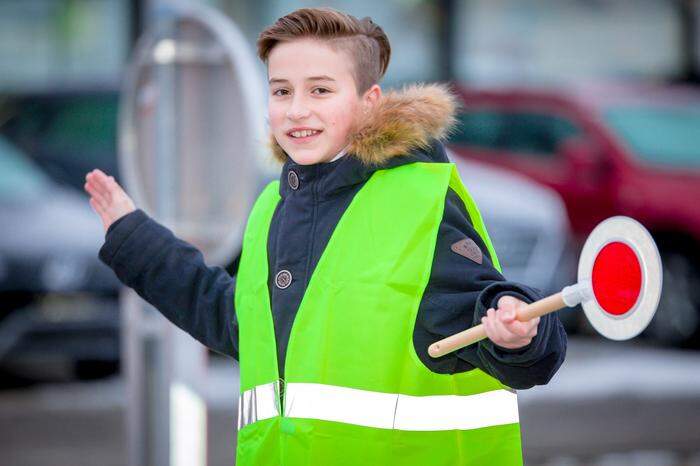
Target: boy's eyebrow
311	78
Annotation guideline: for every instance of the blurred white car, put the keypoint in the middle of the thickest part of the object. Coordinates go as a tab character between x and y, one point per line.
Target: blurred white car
527	223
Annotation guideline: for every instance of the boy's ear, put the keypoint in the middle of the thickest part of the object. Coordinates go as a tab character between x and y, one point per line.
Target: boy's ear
371	97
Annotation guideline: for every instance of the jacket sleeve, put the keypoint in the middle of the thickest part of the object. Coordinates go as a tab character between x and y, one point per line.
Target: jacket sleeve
459	293
170	274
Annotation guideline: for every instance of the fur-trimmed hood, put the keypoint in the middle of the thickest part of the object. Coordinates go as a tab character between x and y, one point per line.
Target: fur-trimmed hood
402	121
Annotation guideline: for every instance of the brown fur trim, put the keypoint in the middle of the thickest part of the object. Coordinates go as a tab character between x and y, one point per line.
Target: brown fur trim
401	121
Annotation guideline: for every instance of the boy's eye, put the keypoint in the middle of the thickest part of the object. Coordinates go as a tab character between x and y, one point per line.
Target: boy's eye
281	92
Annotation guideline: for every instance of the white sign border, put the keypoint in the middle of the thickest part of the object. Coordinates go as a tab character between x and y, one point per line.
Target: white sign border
631	232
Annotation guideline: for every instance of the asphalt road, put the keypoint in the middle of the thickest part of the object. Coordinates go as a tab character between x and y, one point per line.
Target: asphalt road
610	404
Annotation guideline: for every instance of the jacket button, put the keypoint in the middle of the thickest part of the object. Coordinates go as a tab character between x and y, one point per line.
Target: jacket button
283	279
293	179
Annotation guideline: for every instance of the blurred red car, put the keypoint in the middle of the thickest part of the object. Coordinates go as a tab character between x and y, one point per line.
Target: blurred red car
608	150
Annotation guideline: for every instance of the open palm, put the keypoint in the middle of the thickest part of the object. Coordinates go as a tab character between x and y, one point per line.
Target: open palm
107	198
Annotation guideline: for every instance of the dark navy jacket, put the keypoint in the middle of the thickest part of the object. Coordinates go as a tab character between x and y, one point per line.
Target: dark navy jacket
172	275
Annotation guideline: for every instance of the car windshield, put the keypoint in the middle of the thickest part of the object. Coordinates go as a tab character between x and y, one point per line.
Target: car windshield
19	177
667	135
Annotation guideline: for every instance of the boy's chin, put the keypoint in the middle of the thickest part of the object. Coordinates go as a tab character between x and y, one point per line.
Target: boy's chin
307	157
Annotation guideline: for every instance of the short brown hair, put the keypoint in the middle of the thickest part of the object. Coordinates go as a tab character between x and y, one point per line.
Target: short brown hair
362	39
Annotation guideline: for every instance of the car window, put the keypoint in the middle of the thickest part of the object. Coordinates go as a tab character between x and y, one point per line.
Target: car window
87	124
519	132
662	135
19	177
67	135
82	126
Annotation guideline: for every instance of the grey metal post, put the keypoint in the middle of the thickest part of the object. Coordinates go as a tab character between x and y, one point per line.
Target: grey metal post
164	93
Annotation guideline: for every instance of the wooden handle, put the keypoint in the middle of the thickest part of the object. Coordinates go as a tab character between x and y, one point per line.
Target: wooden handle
477	333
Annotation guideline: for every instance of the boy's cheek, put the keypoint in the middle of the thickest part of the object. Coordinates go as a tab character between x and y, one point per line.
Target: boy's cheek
275	116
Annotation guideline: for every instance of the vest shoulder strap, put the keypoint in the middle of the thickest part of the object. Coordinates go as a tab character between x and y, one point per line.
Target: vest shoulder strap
477	221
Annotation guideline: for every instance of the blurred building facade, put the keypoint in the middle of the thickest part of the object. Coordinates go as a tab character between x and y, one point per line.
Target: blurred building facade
56	43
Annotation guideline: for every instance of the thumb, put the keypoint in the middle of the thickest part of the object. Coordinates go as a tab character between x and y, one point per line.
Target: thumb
507	314
508	302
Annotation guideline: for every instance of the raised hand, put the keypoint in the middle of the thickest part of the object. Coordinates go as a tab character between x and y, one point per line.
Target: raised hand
107	198
504	329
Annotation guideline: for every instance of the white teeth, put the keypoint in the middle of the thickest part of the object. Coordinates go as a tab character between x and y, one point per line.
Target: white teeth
304	133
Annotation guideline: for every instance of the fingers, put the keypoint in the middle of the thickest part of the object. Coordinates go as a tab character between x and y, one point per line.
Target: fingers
108	199
506	315
496	330
105	185
95	184
503	329
105	189
95	206
96	173
509	306
98	196
488	321
506	325
104	216
512	325
508	302
111	185
528	329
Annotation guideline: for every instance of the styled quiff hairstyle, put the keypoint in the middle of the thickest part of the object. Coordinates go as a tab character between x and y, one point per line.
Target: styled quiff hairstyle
363	40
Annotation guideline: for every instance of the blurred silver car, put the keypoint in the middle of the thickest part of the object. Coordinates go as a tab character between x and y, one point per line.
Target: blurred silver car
57	299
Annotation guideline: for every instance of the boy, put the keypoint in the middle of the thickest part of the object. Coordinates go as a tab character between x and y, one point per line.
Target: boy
371	226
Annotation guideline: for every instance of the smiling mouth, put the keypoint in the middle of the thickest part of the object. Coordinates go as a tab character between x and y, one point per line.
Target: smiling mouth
304	135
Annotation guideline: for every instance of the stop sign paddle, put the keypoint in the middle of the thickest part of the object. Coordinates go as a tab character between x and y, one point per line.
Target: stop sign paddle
619	286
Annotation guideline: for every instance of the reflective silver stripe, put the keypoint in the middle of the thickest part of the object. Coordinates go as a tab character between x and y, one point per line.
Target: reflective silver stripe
258	403
398	411
445	412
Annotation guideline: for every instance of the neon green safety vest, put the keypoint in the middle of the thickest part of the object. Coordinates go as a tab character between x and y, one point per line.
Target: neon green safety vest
355	391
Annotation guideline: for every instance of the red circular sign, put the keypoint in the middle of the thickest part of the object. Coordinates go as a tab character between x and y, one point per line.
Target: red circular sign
616	278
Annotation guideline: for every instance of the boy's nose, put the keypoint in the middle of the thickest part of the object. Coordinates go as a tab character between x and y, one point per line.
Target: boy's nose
297	114
297	110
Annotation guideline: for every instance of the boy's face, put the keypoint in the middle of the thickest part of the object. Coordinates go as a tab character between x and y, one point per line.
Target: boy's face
312	88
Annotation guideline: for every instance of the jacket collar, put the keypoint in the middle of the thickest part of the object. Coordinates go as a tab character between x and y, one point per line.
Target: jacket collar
405	126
